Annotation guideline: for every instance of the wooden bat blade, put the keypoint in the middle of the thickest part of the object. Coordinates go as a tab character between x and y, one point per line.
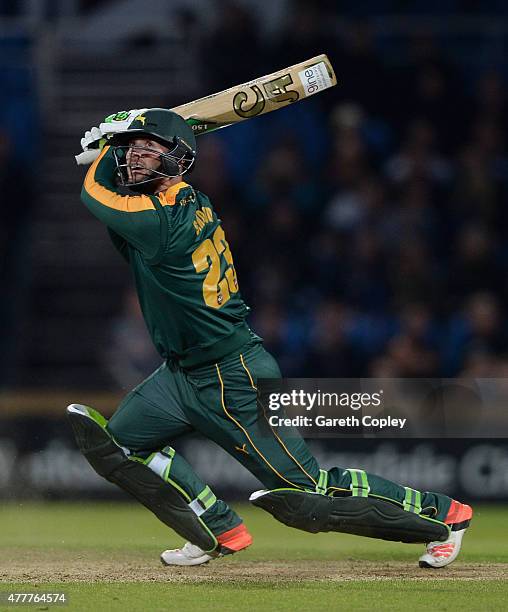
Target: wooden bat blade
259	96
256	97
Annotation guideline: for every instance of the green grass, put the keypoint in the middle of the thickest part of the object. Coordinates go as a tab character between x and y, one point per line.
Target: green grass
86	536
125	527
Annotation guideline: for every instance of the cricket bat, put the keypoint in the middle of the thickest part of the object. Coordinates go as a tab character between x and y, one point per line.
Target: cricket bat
258	97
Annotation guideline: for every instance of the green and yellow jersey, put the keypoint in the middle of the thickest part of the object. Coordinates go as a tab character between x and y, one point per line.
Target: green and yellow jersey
182	265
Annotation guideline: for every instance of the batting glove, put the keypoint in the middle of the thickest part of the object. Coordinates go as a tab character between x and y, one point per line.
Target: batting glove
92	144
119	122
94	140
91	139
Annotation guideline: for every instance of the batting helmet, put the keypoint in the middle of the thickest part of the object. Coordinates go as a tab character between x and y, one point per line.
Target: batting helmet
167	128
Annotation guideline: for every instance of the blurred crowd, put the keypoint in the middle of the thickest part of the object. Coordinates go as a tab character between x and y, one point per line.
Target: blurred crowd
369	223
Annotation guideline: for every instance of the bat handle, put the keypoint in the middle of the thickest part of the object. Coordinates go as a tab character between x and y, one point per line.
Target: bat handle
87	157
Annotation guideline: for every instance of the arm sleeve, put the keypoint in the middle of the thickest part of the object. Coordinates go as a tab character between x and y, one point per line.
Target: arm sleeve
135	218
120	244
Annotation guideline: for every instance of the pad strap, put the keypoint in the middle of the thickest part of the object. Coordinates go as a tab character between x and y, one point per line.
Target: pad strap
160	462
203	501
322	483
412	501
359	483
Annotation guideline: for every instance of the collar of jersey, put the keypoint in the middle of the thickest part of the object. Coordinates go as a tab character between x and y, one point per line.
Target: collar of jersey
168	197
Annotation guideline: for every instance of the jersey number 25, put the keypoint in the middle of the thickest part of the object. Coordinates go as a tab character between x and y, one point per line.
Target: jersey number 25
216	290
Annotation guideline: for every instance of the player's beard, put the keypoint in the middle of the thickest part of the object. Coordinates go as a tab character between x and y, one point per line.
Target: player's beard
138	172
139	176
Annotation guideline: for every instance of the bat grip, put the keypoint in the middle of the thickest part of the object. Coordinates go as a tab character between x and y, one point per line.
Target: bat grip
87	157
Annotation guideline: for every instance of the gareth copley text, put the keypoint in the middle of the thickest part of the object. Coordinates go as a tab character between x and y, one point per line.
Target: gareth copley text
320	420
303	400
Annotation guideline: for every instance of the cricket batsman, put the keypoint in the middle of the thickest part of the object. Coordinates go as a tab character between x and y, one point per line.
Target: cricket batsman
173	240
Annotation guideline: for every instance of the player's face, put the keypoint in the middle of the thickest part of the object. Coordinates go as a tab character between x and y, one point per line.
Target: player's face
143	156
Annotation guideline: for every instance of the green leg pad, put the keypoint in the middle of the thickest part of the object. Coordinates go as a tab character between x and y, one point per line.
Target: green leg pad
110	461
365	516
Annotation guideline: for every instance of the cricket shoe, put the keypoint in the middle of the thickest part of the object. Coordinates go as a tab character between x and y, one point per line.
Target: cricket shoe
440	554
230	542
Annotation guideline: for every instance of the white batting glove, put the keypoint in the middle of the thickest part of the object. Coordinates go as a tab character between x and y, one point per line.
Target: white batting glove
91	143
94	140
91	139
119	122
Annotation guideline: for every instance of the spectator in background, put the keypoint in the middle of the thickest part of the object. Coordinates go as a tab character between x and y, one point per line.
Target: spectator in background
483	364
273	278
412	213
352	208
479	328
330	352
284	174
411	347
384	366
324	262
429	89
490	99
366	284
15	241
347	169
482	179
346	122
418	323
306	33
131	355
475	265
282	334
419	158
414	272
411	359
415	349
234	42
477	193
211	176
360	57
